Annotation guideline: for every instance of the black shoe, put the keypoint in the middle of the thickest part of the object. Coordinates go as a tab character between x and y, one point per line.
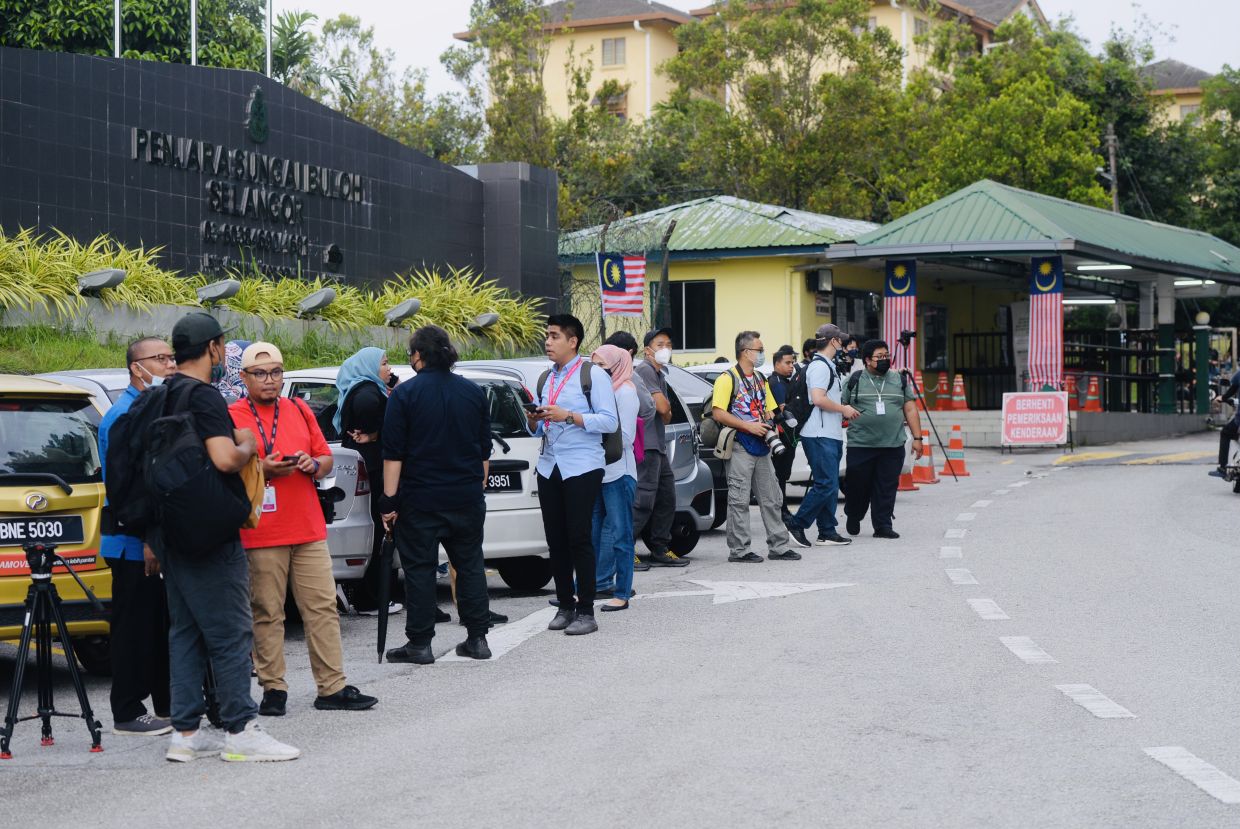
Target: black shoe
1217	473
492	617
668	559
833	538
640	566
475	647
417	654
748	558
786	555
582	624
798	535
562	620
441	617
347	698
604	594
611	608
887	532
852	527
273	704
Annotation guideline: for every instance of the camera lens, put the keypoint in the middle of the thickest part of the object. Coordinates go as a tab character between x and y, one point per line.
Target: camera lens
774	443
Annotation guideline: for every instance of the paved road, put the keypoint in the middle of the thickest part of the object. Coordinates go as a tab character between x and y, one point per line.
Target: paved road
1047	646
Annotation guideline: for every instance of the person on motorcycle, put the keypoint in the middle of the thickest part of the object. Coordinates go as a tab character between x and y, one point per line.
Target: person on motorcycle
1229	432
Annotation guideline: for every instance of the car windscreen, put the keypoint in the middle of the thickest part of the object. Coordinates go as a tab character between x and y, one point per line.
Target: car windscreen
691	388
505	398
56	436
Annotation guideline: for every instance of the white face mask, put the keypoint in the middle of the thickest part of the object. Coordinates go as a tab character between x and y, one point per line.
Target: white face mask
663	356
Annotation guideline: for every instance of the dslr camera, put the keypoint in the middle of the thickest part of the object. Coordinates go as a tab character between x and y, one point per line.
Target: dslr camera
773	441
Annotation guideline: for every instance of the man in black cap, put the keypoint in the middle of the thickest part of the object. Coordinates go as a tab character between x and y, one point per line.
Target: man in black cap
209	595
655	503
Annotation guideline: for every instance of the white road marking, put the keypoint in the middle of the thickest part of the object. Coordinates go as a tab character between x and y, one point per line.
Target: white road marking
966	516
980	504
1209	779
1000	492
739	591
1019	483
1095	702
674	594
505	638
988	610
1027	650
960	576
950	552
955	532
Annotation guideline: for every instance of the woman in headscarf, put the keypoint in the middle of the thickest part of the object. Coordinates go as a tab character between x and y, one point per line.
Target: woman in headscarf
231	385
363	386
613	512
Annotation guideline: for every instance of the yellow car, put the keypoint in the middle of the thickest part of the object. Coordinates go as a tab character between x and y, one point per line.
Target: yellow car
51	490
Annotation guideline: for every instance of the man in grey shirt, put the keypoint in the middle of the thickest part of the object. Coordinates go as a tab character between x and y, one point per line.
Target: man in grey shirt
655	504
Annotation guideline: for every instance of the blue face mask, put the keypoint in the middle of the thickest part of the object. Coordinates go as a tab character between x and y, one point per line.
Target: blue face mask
152	380
217	371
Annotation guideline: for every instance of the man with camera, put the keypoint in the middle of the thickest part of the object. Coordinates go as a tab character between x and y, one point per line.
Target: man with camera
742	401
822	435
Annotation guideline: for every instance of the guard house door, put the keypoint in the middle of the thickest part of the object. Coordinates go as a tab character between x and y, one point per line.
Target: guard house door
986	360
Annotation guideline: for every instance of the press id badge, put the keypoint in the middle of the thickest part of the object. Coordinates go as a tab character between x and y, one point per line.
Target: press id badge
269	499
880	408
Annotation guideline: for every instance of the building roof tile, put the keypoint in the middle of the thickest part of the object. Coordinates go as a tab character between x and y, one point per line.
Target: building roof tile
1171	74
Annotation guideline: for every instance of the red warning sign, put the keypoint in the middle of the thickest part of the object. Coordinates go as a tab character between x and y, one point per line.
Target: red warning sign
1035	418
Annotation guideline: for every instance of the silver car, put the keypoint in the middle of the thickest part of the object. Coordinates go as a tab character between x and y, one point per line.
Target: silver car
350	532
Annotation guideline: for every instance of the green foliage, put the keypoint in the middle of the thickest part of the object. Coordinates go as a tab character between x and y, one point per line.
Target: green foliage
1222	129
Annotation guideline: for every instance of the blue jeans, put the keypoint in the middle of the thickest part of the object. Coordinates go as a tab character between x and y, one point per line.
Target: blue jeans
820	501
613	537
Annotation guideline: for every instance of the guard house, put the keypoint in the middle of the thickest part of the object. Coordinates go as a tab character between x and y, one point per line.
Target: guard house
984	276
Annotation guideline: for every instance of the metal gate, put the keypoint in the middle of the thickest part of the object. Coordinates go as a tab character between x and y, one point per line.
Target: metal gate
986	362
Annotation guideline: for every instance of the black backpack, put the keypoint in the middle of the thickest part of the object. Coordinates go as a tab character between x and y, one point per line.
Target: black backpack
129	506
198	508
613	442
855	378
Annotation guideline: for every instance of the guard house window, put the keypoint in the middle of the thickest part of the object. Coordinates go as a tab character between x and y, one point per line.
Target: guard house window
613	51
920	27
693	313
933	336
857	313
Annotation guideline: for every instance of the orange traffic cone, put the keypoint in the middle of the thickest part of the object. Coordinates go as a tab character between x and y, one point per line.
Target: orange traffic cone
1074	394
920	390
923	472
942	395
955	455
959	402
1093	402
906	483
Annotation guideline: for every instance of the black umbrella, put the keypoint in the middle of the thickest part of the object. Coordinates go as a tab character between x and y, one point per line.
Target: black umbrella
386	551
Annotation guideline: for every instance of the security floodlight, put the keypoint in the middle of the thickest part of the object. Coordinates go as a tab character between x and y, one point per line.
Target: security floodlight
218	291
1202	318
96	281
483	321
317	301
402	311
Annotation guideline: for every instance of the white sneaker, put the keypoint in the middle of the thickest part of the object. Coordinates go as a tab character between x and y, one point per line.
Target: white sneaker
205	742
393	609
254	745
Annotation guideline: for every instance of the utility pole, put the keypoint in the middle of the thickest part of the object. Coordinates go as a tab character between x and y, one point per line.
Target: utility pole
602	312
116	29
269	12
1112	146
663	308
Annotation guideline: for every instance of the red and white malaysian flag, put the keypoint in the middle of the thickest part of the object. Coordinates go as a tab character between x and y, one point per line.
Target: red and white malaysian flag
1046	323
622	280
900	310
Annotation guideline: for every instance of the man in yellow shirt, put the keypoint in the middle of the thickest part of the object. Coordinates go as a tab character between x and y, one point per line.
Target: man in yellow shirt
742	400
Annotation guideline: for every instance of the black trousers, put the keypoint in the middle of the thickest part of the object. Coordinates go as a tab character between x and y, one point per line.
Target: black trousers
139	642
1225	437
783	471
654	504
568	521
418	535
870	485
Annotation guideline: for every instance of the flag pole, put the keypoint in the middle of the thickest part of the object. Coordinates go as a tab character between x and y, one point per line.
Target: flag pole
193	32
663	309
602	313
269	4
116	28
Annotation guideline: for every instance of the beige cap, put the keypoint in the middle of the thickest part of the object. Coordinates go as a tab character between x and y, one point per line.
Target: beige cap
260	354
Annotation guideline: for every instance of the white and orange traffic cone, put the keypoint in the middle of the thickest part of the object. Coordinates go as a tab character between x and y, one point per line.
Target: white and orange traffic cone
955	455
942	394
960	403
1074	394
920	389
1093	398
923	472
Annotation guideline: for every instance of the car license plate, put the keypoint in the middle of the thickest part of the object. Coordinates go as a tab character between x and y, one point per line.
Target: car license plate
48	529
504	482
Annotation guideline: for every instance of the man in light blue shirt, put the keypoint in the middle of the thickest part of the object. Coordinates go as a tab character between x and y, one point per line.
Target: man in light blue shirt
823	439
139	623
570	467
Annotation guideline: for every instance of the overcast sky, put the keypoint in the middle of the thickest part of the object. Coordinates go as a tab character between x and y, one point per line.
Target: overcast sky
1203	33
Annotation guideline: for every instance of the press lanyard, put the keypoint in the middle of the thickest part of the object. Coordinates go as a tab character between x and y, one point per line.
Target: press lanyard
262	433
880	405
554	394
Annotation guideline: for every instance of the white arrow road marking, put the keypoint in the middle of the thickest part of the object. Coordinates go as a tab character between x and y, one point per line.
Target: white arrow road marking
1201	774
988	610
505	638
980	504
950	552
960	576
675	593
966	516
739	591
955	532
1095	702
1027	650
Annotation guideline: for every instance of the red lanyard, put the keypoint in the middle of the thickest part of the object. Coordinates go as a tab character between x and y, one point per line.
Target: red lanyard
262	433
554	394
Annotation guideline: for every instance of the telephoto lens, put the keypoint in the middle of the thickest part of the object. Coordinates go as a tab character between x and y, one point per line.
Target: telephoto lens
774	443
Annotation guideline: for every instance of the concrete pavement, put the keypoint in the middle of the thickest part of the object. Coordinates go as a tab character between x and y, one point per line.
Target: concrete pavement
887	699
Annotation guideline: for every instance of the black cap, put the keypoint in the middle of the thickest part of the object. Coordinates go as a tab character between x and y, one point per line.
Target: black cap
195	329
650	335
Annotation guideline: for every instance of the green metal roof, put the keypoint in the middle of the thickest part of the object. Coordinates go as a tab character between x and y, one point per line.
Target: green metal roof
991	218
720	224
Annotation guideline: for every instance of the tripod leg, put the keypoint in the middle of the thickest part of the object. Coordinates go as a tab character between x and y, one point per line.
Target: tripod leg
89	716
19	673
43	665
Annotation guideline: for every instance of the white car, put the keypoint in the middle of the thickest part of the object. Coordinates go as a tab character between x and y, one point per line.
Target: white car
349	534
514	542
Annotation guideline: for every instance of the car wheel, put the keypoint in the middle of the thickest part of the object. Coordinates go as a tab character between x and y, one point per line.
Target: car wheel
94	653
684	535
526	574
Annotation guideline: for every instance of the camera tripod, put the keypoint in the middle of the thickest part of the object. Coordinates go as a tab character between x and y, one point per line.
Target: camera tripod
904	340
42	611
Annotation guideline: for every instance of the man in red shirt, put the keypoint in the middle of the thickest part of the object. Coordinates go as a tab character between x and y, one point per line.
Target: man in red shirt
289	546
